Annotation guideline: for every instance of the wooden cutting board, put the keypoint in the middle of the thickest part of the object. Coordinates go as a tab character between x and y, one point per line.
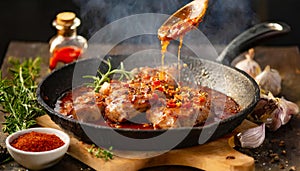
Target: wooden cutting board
215	155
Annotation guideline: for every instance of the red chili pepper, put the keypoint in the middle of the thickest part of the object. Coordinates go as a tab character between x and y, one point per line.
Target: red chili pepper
160	89
202	99
146	76
66	55
171	104
156	83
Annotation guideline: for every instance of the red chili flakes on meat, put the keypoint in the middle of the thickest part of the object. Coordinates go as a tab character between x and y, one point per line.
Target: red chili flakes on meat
37	142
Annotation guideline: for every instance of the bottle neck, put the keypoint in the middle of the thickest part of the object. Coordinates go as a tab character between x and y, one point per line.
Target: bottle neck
67	32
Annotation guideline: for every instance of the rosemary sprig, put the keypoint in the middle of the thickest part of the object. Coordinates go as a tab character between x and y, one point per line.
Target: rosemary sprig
99	80
101	153
17	95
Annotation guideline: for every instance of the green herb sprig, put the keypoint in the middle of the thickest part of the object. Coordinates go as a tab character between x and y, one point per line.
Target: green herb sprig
99	80
101	153
18	95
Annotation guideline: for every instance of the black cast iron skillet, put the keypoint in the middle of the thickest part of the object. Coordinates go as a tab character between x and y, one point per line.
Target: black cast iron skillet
238	85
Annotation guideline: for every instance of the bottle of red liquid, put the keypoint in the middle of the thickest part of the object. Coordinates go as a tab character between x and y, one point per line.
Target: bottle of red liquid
66	46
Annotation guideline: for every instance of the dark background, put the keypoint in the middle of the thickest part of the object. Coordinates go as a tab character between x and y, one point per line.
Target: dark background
30	20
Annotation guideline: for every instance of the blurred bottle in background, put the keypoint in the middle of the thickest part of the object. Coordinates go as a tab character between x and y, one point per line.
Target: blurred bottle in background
66	46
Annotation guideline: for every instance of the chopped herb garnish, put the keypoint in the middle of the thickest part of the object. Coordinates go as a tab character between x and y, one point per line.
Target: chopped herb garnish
99	80
101	153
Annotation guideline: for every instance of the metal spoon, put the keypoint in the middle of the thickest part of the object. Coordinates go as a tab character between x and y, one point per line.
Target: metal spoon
183	20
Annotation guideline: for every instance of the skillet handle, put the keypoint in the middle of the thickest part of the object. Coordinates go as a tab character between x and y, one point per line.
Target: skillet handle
248	38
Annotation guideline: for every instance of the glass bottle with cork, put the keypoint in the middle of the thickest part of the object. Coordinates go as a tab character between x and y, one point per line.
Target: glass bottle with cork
66	46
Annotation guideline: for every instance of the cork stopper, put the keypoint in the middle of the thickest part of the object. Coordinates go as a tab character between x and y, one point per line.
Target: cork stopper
65	18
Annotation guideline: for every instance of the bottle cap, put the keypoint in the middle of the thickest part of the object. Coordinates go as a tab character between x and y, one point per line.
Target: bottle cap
65	18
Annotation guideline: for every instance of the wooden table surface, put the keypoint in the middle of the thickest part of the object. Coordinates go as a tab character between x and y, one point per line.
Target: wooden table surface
285	59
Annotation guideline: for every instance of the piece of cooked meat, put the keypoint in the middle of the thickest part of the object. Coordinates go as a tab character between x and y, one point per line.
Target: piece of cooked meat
187	109
120	109
148	76
163	117
126	101
89	106
77	103
88	113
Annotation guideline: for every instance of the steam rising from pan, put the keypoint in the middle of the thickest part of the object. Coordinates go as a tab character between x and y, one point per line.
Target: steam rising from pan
224	19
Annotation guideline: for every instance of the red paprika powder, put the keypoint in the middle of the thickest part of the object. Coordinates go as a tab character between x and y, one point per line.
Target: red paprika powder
37	142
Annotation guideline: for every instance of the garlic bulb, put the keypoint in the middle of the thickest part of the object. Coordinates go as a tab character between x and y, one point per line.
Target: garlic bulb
273	111
249	65
269	80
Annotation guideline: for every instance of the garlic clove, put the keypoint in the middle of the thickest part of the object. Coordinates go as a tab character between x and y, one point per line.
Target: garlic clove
249	65
286	110
269	80
253	137
274	122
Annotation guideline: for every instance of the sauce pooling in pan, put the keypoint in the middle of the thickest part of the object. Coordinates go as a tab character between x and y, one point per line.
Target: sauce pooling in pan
147	102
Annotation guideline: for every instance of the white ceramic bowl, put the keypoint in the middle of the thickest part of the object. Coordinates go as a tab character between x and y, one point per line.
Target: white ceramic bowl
38	160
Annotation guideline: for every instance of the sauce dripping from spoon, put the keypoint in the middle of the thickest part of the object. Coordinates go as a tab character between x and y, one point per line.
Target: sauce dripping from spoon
178	24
